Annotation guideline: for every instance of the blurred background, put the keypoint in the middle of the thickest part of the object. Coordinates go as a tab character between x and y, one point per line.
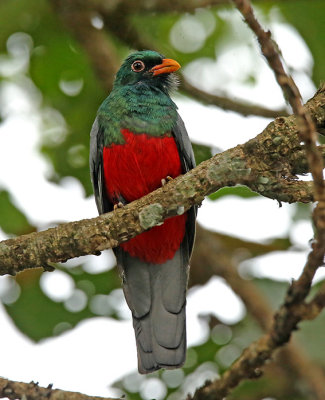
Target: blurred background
71	327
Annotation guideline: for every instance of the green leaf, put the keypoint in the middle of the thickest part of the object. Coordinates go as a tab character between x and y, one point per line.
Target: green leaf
308	18
12	220
302	212
239	190
39	317
274	291
201	152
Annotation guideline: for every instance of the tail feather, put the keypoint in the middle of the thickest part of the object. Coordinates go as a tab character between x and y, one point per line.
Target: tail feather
142	330
156	294
170	358
173	280
167	327
136	284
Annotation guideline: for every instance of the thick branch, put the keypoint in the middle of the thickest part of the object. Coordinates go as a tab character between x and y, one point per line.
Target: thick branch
31	391
256	163
299	161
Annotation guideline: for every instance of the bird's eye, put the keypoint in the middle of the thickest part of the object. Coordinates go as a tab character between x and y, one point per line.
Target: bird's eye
138	66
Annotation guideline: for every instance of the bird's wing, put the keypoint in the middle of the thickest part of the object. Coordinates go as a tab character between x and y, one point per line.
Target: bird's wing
96	168
188	162
184	145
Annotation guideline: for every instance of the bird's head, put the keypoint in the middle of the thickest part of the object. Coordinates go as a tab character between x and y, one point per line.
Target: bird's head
147	67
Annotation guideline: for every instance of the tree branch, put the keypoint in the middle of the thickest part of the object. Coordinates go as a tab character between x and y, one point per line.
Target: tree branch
31	391
293	309
256	164
228	104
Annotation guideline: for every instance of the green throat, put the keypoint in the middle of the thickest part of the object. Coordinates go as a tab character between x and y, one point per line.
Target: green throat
140	108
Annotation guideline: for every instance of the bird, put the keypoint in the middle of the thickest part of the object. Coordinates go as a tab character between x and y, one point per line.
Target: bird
138	142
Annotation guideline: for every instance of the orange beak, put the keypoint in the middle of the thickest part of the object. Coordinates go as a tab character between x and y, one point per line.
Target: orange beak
168	65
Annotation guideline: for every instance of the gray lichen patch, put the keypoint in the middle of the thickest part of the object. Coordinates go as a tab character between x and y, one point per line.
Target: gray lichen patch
188	190
180	210
151	215
234	170
263	180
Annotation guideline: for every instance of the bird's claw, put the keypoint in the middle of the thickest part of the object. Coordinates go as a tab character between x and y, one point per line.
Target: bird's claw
164	181
118	205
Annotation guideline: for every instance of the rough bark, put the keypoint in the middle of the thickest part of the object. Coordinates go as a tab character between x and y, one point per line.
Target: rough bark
32	391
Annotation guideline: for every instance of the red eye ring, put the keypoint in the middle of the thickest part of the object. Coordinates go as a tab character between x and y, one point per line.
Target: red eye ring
138	66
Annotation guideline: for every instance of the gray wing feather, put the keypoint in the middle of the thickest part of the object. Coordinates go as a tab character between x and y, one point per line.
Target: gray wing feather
136	278
188	162
96	168
184	145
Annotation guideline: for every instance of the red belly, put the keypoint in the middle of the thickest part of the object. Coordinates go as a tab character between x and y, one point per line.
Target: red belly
135	169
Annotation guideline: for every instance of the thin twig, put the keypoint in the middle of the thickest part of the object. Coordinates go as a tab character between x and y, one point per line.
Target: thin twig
241	107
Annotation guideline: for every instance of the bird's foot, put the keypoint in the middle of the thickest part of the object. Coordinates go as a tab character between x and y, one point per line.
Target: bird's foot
164	181
118	205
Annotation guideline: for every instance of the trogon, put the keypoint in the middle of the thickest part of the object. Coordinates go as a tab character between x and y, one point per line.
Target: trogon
138	141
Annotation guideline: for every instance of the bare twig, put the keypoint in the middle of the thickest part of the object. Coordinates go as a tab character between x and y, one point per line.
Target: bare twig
241	107
31	391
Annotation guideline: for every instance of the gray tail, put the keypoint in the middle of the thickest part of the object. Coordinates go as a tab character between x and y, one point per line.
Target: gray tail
156	295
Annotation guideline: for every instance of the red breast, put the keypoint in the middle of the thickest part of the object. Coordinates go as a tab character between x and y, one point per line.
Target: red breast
135	169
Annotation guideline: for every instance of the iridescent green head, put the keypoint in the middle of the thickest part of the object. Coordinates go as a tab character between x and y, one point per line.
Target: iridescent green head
147	67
